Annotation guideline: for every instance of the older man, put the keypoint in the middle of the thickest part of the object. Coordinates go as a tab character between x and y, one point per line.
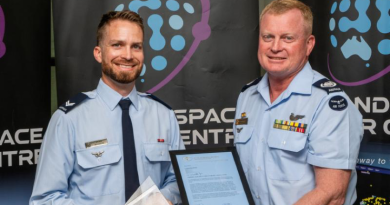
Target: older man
297	133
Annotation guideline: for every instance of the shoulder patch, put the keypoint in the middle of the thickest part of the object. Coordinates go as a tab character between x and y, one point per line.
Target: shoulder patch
327	85
158	100
338	103
73	102
254	82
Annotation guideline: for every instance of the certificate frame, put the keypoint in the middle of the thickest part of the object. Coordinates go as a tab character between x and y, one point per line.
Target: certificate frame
193	152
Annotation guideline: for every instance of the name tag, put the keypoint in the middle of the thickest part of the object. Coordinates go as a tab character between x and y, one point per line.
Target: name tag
96	143
242	121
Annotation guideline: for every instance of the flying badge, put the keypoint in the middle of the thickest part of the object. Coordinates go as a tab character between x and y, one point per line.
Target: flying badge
96	143
296	117
239	129
290	126
98	155
243	120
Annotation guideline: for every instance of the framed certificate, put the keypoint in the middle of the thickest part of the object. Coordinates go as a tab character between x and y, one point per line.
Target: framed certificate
211	177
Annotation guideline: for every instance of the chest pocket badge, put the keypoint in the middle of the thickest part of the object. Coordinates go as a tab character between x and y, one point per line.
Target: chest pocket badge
93	157
244	135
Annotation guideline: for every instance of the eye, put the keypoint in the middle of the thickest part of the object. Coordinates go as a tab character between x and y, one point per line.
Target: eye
267	38
137	46
116	45
288	38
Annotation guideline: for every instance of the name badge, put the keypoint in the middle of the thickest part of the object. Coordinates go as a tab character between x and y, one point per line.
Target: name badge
243	120
96	143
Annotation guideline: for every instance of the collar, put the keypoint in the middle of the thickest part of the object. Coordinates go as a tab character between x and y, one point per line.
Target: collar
302	84
111	98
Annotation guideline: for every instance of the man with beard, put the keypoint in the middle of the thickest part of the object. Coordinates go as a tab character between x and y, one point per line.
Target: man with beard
100	145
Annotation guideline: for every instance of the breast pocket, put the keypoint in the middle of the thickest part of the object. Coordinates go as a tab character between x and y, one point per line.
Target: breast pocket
287	160
158	161
99	172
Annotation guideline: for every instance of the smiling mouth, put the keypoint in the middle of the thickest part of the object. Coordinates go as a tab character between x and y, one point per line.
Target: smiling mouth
276	58
125	66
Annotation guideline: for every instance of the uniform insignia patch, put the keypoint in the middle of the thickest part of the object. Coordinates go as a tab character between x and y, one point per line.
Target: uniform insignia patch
243	120
290	126
98	155
296	117
239	129
327	85
73	102
338	103
160	140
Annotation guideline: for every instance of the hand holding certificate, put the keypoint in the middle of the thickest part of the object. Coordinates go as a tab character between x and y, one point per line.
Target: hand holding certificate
211	177
147	194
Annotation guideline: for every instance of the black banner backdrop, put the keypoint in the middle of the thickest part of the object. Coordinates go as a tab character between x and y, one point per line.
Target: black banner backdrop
25	90
352	48
198	55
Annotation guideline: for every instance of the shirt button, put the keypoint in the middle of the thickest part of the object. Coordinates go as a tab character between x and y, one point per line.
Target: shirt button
257	196
162	153
258	169
284	142
262	139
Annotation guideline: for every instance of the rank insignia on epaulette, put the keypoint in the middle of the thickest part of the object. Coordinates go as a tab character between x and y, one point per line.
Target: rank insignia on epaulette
327	85
73	102
290	126
243	120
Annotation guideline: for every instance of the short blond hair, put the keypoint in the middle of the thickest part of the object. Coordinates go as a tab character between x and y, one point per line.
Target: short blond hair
114	15
282	6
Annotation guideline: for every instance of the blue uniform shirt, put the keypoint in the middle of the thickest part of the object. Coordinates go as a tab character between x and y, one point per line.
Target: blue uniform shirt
69	173
304	127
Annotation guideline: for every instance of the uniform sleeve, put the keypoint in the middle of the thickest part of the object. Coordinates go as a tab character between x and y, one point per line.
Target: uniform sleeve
335	134
55	163
169	188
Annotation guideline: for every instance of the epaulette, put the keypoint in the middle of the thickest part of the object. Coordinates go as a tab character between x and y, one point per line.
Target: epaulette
73	102
254	82
327	85
158	100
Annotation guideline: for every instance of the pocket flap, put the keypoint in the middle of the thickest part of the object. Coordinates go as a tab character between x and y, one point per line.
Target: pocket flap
287	140
99	156
157	151
243	134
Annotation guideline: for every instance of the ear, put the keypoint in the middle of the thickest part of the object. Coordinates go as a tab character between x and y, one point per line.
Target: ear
97	53
311	41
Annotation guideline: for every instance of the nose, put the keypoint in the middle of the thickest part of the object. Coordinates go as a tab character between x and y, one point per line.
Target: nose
127	53
276	46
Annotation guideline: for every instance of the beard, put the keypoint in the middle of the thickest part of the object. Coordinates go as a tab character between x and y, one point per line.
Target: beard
123	77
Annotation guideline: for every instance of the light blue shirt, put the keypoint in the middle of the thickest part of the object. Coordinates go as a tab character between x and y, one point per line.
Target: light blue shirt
278	163
69	173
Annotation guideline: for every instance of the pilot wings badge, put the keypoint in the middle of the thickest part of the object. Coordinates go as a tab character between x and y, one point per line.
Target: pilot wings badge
296	117
98	155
